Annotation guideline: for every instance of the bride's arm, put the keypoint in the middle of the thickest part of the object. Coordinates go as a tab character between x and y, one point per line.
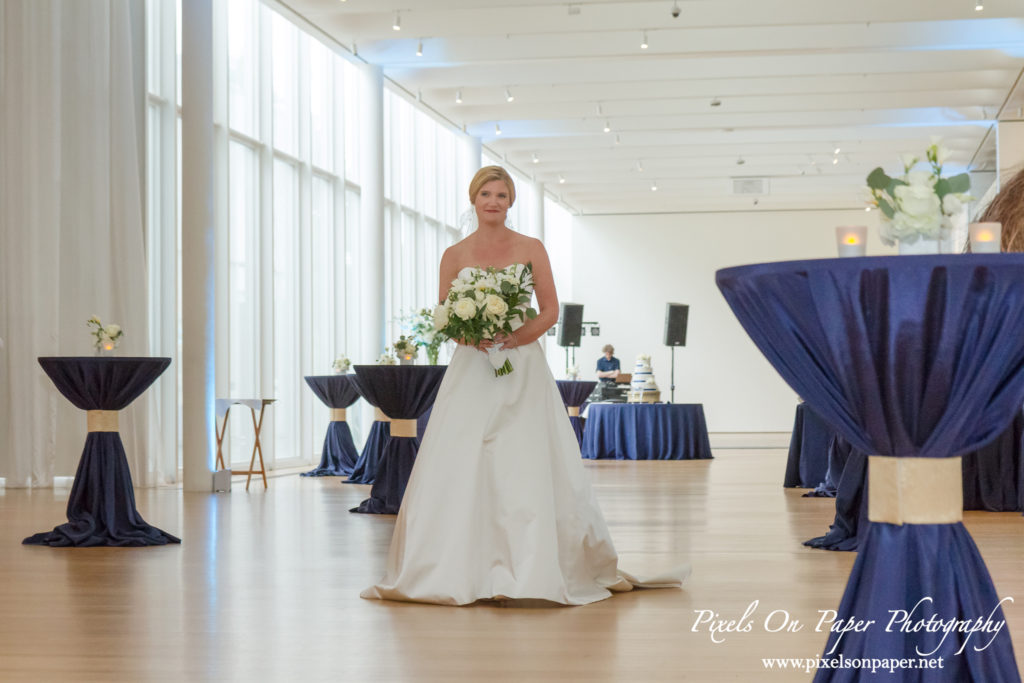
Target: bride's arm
547	301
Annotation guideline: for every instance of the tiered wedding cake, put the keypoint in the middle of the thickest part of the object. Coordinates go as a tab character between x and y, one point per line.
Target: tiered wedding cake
643	388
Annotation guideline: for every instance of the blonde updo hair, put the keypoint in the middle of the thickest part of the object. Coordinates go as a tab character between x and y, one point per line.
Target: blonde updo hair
486	175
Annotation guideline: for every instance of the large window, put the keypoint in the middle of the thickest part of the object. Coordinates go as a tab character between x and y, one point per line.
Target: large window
289	144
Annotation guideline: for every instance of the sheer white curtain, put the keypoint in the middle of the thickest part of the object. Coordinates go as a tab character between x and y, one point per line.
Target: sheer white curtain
73	243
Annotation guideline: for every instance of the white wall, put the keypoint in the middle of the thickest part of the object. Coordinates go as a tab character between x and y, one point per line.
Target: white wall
625	269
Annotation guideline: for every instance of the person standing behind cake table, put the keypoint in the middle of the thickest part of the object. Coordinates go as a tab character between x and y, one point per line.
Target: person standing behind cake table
608	365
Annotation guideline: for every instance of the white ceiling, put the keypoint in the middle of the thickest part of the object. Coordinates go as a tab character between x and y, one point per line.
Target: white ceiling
795	79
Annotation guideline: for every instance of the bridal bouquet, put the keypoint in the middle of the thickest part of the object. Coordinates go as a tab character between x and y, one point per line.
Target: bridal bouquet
107	336
485	302
919	203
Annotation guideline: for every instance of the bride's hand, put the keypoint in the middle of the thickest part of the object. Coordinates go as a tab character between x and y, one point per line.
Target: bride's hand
506	341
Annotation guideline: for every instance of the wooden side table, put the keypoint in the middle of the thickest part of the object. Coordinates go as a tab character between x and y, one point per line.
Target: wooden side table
223	410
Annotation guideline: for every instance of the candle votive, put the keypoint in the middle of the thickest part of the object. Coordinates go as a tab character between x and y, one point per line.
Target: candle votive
852	240
986	238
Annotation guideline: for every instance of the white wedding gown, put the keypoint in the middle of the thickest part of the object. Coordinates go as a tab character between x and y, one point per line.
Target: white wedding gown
498	505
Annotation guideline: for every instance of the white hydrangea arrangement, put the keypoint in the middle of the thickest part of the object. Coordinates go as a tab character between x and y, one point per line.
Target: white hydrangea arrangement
107	336
341	364
918	204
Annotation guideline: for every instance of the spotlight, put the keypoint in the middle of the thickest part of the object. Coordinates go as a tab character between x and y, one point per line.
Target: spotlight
675	10
600	112
643	42
618	140
740	161
979	6
654	186
867	208
509	97
497	129
835	161
419	49
397	26
458	97
607	126
716	102
836	151
639	166
561	179
535	158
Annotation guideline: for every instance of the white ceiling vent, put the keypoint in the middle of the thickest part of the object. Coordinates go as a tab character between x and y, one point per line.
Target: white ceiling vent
750	186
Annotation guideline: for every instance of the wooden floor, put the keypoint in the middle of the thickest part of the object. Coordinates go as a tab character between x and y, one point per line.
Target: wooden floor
265	587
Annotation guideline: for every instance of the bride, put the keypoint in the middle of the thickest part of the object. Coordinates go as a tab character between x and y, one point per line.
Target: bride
498	505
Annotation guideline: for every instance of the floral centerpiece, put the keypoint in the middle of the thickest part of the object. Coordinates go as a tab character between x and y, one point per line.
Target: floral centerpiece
424	334
405	350
341	364
387	358
484	302
917	205
107	336
573	372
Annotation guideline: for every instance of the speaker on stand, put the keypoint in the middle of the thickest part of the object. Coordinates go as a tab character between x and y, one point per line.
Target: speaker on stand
570	329
676	317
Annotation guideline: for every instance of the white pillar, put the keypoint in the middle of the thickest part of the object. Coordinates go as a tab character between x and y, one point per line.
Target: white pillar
371	227
1010	150
537	219
198	202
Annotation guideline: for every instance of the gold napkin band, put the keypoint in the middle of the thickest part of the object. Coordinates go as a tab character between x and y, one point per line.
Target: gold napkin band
915	490
337	414
405	428
101	420
379	416
574	411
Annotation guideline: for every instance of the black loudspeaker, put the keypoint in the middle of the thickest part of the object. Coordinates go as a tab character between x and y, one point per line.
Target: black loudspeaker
571	329
676	316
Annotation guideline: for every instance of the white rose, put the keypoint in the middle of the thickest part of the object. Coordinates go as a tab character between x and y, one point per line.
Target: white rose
441	316
942	154
951	205
112	330
921	179
495	305
465	308
918	200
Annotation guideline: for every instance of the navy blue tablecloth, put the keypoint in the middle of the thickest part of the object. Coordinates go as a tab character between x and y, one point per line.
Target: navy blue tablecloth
101	508
574	394
910	356
646	431
402	392
808	450
339	454
991	476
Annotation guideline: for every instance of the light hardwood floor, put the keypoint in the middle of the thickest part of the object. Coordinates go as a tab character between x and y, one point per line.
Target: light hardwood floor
265	588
